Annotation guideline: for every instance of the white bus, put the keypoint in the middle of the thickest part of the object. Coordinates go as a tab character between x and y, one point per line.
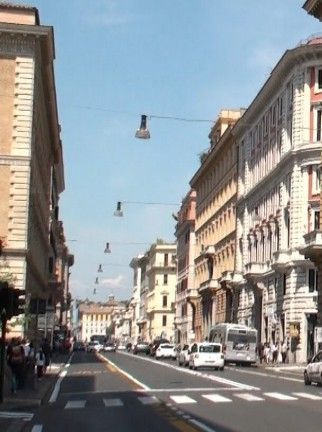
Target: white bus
239	342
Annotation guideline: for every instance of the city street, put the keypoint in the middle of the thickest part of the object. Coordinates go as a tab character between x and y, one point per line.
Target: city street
130	392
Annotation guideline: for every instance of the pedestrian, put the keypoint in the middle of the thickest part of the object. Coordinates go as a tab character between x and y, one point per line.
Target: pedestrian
266	353
274	351
40	363
260	351
47	352
284	351
16	362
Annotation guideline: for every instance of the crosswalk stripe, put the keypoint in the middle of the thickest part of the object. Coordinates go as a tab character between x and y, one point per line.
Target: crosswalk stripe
36	428
149	400
75	404
248	397
280	396
182	399
308	396
113	402
216	398
12	414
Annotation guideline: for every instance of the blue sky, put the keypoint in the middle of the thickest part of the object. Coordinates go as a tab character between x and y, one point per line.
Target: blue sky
118	59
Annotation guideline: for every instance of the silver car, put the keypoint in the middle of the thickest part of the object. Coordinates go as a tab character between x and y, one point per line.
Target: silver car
184	354
313	370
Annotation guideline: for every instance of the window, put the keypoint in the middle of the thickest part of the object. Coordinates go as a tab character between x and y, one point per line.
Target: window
319	83
318	125
164	320
284	284
313	280
165	279
316	220
164	301
166	259
316	180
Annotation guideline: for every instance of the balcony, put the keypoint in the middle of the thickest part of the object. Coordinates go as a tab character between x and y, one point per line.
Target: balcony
312	248
256	269
227	277
286	258
208	285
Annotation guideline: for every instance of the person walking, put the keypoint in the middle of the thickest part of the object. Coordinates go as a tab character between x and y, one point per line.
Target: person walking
47	352
16	362
40	363
284	351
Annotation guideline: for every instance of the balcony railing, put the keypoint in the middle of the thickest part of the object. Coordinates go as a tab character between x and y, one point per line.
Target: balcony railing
210	284
256	269
312	248
283	259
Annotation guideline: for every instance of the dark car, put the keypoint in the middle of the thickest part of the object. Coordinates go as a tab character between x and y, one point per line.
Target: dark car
141	347
79	346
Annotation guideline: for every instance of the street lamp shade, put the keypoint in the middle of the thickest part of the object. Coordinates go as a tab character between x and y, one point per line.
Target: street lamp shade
118	212
96	280
107	248
143	132
100	270
94	291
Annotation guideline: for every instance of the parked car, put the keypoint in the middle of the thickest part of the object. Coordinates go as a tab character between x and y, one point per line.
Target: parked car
141	347
184	355
94	346
166	350
121	347
155	344
207	354
109	347
313	370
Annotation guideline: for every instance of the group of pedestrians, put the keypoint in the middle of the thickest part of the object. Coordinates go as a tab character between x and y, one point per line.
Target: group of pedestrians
272	353
24	360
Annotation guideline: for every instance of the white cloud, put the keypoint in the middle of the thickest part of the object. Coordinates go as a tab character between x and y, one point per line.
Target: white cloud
113	283
111	15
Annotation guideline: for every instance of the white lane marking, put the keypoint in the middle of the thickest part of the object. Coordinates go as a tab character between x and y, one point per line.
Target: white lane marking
249	397
216	398
56	390
308	396
36	428
199	374
202	426
186	389
149	400
113	402
129	376
182	399
263	374
279	396
75	404
22	415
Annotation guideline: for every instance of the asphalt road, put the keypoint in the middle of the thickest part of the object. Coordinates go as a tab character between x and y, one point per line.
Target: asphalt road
138	393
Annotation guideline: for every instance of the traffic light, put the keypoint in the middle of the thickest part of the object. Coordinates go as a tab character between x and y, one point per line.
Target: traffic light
18	302
5	298
11	303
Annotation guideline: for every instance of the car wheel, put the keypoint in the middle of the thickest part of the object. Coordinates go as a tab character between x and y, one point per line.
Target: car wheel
179	363
194	367
307	380
190	366
222	368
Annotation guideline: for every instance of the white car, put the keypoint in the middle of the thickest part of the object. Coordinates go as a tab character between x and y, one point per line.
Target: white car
206	354
313	371
184	355
94	346
166	350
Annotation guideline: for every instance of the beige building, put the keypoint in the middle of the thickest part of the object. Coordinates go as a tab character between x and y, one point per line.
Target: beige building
187	296
215	184
31	161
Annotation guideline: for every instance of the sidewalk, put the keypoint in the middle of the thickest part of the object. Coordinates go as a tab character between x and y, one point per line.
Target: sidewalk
16	409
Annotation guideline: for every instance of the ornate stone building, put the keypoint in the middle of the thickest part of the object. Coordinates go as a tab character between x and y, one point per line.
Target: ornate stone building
31	160
279	141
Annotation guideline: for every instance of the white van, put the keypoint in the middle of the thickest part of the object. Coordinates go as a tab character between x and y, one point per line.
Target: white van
207	354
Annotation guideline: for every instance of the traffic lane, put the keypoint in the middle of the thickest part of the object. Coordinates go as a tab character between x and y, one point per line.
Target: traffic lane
155	374
128	416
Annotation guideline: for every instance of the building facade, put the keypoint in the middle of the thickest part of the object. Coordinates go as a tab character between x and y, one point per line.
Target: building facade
215	184
31	160
187	297
279	147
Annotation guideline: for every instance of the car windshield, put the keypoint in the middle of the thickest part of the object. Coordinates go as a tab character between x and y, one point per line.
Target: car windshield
210	348
167	346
